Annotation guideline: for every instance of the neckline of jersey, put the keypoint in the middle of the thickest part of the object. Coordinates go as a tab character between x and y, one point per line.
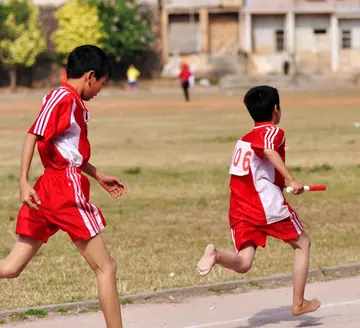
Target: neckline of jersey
262	124
76	94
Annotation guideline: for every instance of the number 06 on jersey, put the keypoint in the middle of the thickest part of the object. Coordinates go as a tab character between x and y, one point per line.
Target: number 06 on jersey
240	163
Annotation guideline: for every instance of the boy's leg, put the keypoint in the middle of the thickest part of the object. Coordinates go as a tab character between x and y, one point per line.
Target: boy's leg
185	90
187	95
24	250
97	255
300	270
240	262
292	231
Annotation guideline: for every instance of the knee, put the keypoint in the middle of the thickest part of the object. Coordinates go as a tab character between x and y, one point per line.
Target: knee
306	241
303	242
244	267
108	268
9	272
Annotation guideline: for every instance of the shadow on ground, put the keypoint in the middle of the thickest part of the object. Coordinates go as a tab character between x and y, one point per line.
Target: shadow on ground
283	314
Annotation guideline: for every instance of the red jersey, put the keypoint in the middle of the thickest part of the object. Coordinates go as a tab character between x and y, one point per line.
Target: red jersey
256	186
61	124
185	74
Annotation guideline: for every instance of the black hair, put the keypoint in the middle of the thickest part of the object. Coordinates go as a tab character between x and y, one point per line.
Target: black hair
260	101
88	58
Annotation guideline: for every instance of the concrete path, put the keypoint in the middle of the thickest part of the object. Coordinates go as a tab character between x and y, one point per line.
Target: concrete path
260	308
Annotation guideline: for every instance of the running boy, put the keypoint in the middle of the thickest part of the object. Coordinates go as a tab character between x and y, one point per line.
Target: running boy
257	206
60	198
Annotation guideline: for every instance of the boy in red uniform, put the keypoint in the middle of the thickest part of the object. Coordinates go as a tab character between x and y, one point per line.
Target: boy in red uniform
257	206
60	197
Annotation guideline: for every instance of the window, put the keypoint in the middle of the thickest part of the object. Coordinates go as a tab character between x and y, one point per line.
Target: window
346	39
320	31
280	41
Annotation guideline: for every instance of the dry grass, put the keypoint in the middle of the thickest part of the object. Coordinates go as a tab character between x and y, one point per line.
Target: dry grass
174	158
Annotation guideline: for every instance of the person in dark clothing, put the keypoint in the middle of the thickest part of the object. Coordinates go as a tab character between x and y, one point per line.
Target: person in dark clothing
184	77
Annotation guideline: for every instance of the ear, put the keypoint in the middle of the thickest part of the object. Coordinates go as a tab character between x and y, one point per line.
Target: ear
90	76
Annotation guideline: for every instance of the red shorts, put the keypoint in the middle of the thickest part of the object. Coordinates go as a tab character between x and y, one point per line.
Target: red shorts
286	230
64	196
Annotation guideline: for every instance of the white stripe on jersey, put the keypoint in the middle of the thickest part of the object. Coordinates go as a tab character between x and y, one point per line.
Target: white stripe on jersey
43	119
266	137
273	138
42	114
270	137
50	111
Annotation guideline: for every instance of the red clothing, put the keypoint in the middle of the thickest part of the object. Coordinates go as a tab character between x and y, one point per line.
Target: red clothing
62	125
286	230
63	191
257	187
65	205
185	74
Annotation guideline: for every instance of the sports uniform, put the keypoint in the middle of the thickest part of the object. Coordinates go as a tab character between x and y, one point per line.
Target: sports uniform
63	191
257	204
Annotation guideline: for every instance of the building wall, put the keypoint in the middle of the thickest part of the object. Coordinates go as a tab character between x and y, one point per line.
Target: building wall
313	42
314	6
224	33
264	33
178	4
352	25
270	6
184	34
152	3
346	4
349	57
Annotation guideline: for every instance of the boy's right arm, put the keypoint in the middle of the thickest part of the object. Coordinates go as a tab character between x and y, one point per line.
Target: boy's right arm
274	157
27	193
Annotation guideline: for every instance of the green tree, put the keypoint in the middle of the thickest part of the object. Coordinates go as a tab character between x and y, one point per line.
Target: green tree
21	37
78	24
127	25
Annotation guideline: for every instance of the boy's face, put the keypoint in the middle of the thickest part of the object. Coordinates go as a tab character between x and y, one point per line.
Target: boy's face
92	86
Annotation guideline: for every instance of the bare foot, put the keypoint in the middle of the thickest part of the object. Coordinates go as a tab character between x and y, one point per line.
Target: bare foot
306	307
207	262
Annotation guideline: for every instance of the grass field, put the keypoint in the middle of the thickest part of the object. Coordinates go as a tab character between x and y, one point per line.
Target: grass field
174	158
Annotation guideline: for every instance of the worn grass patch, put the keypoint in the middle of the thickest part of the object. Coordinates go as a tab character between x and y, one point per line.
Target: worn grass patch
174	158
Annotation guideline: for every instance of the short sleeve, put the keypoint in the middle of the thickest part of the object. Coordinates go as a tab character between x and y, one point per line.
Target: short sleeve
270	138
55	115
274	138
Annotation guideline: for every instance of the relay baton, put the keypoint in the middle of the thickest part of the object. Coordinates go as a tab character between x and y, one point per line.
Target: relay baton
308	188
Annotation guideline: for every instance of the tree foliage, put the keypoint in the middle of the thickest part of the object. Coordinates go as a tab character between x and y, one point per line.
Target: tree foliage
21	37
128	27
79	24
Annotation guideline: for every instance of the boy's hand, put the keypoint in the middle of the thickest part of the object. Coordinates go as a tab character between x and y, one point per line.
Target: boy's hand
28	196
297	186
113	186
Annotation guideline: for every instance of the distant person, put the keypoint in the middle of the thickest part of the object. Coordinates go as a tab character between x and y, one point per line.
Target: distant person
184	76
132	76
60	198
258	208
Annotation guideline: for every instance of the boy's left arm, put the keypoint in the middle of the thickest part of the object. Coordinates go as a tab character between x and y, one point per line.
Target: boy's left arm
274	157
111	184
273	141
